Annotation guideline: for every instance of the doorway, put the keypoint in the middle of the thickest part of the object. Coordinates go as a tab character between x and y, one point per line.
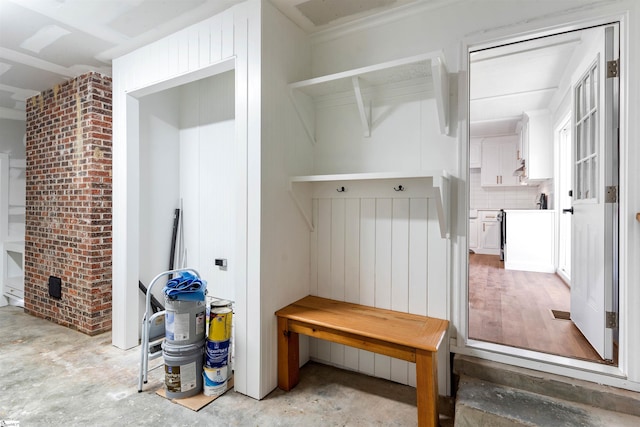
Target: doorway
520	93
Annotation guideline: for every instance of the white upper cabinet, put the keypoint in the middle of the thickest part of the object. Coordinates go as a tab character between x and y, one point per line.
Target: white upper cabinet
499	161
537	145
362	84
475	153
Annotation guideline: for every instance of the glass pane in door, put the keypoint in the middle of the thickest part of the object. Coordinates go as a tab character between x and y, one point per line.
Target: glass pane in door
586	131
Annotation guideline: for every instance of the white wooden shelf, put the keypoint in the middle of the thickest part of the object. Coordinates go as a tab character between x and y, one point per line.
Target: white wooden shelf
14	246
430	184
15	282
12	268
17	210
425	67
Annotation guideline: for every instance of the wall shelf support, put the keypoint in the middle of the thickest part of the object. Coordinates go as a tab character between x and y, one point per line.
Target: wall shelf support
365	118
423	184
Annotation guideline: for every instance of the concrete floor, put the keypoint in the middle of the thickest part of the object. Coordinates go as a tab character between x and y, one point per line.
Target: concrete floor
51	375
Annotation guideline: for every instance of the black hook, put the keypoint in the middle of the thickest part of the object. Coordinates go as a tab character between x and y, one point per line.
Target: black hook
341	190
399	188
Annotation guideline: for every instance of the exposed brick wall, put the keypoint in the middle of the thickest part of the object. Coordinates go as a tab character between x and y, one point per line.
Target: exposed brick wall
68	206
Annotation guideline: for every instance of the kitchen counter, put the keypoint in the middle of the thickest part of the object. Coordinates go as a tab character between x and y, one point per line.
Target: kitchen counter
530	240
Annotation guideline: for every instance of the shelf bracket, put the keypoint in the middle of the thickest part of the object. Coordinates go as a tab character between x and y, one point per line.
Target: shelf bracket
301	193
364	117
306	112
441	191
441	89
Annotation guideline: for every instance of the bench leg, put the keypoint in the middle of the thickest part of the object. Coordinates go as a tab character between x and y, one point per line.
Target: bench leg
427	388
288	356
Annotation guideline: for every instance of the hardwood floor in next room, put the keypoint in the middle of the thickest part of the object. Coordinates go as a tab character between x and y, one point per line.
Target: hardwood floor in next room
513	308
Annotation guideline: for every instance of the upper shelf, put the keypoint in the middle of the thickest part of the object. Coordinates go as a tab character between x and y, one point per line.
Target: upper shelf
14	246
427	184
429	66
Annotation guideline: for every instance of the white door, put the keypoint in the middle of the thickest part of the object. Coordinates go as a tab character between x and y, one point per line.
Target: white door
594	128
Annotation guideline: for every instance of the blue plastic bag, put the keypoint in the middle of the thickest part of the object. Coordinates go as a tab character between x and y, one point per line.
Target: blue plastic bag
186	287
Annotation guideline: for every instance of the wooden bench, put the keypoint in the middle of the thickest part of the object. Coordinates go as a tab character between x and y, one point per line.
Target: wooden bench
404	336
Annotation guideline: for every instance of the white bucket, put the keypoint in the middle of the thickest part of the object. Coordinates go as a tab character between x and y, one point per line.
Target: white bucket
215	380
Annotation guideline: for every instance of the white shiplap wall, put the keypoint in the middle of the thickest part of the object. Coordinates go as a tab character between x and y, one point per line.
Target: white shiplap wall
230	40
284	237
380	252
208	179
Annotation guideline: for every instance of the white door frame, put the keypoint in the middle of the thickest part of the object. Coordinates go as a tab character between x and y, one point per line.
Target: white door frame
563	123
627	373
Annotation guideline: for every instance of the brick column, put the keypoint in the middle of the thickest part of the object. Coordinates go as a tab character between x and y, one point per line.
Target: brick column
68	206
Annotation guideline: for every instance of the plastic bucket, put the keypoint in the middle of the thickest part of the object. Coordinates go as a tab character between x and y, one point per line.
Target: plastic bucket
182	369
215	380
185	321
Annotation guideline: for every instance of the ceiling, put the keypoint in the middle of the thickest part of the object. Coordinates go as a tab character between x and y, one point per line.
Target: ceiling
508	80
48	42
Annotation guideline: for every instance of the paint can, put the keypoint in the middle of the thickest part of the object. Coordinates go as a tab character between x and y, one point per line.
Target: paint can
182	369
215	303
216	353
219	303
185	321
220	323
214	381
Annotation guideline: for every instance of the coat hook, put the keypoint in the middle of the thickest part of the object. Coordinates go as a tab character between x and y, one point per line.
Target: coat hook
399	188
341	189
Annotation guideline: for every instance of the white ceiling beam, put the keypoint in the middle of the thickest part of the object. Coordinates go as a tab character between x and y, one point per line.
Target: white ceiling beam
19	94
488	54
515	94
497	120
11	114
34	62
55	12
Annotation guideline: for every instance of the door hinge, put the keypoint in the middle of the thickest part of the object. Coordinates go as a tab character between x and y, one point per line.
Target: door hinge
611	194
612	320
613	68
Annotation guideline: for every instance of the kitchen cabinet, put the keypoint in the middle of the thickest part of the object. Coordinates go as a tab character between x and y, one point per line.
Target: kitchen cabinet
498	164
473	229
475	153
490	233
537	145
530	241
484	233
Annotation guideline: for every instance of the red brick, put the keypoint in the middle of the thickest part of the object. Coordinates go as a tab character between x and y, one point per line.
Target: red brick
68	209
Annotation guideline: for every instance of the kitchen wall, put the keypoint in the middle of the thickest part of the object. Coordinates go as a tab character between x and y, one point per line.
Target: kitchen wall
523	197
